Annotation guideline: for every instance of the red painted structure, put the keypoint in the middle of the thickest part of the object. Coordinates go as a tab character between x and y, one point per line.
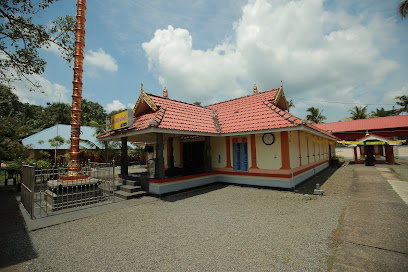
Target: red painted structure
391	126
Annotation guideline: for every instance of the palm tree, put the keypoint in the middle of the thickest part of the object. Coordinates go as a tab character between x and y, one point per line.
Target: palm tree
110	149
358	113
290	104
315	116
56	142
403	9
403	103
382	113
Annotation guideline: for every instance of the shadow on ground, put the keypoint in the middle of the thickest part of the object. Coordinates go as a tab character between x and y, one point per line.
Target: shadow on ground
193	192
15	243
308	186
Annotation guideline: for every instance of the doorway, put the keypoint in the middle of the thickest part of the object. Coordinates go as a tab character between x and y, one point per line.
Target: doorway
193	158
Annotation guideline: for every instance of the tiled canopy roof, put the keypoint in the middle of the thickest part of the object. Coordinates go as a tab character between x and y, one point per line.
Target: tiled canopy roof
253	112
249	113
367	124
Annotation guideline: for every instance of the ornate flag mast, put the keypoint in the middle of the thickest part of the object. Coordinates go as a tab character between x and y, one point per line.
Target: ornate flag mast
74	167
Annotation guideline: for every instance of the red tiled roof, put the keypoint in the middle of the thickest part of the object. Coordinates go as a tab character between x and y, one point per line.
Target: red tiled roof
253	112
366	124
248	113
183	116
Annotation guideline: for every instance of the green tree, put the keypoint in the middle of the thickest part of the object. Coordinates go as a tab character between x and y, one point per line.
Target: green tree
382	113
110	150
403	9
358	113
21	39
92	111
57	113
315	116
403	102
56	142
290	104
197	103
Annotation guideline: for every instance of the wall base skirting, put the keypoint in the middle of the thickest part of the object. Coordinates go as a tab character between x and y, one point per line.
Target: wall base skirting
165	186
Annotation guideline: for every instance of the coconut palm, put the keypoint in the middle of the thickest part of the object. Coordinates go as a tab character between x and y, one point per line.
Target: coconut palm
403	102
315	116
382	113
56	142
358	113
290	104
110	149
403	9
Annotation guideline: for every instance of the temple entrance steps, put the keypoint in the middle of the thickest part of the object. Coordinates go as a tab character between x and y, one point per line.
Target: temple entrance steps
133	186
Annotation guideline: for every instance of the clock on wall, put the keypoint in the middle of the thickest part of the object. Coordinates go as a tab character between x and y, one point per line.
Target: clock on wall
268	138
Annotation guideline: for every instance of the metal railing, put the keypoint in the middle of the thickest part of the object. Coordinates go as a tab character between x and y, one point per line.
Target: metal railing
43	193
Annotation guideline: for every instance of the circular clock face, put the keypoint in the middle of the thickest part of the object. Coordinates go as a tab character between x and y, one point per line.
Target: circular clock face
268	138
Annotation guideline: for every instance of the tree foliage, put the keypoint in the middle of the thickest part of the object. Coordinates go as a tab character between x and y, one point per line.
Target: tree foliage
21	39
358	113
315	116
20	120
383	113
402	101
403	9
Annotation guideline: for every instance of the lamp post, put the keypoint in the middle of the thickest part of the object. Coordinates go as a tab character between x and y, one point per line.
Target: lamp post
74	166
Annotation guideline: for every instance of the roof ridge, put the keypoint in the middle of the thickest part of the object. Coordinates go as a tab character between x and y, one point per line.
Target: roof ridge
177	101
158	117
249	95
284	114
216	123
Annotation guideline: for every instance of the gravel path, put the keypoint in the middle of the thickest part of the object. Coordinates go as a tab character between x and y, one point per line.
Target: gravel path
218	228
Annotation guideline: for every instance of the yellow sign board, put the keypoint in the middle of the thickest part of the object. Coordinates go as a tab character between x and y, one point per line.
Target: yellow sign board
397	142
122	119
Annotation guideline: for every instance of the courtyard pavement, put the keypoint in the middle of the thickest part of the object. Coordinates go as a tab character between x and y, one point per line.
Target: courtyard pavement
359	225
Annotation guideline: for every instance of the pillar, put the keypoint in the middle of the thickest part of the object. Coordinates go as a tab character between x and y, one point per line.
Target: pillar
124	158
170	155
159	165
207	155
253	152
181	154
285	150
228	146
300	150
355	155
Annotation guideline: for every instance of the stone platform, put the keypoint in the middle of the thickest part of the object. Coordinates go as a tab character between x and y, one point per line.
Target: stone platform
64	195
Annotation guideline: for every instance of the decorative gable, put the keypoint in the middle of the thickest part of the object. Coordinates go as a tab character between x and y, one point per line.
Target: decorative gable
280	100
144	104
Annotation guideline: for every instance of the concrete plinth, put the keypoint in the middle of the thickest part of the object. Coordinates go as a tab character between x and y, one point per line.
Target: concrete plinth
64	195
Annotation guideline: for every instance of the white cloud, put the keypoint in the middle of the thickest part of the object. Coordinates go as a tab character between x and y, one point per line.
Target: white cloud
115	105
99	60
49	92
53	48
316	51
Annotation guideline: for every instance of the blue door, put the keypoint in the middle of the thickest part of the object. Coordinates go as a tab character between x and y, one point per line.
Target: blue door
240	156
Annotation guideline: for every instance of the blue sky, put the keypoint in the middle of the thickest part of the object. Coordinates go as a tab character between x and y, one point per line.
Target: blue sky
210	50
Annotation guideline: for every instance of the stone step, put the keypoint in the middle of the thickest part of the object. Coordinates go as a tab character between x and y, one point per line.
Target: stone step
131	182
126	195
130	188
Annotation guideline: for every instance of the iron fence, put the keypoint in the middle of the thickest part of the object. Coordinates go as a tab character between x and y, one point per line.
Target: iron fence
44	192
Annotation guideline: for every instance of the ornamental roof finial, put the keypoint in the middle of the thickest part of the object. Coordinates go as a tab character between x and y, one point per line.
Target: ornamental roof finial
281	87
141	89
255	89
165	93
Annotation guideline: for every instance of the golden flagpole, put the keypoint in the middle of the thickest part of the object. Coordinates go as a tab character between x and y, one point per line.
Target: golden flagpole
74	166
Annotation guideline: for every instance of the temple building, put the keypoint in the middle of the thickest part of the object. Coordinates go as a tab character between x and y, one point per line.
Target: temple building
251	140
372	140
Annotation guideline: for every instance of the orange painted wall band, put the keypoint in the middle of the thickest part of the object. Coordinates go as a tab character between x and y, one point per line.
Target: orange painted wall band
285	150
253	152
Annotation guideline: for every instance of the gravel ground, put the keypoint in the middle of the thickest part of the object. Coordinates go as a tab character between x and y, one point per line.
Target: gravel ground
217	228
